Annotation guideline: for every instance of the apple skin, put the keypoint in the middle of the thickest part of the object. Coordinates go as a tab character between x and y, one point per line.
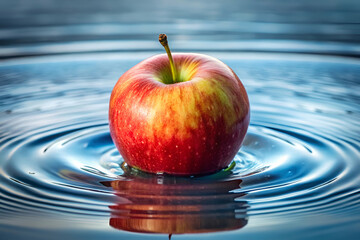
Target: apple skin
192	127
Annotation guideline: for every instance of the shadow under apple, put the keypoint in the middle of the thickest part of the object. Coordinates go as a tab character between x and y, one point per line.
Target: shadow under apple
176	205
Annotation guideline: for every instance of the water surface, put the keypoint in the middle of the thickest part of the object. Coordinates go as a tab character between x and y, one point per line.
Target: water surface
295	177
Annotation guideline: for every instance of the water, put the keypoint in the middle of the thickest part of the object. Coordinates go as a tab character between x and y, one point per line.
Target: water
296	175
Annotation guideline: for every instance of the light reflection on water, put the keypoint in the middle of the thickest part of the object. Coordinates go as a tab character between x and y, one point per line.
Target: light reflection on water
299	158
296	174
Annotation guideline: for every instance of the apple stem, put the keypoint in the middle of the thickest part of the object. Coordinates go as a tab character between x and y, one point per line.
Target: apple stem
164	42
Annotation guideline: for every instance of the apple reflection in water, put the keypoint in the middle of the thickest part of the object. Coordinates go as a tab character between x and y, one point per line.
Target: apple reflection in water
177	205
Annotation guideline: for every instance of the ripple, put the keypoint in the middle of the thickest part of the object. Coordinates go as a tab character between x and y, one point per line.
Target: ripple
299	157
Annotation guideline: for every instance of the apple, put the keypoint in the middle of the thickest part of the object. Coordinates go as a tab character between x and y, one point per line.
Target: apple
181	114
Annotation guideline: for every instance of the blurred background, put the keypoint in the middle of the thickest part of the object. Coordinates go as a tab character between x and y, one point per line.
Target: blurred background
39	27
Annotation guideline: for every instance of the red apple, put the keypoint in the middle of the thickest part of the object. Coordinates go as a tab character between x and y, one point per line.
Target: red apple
185	115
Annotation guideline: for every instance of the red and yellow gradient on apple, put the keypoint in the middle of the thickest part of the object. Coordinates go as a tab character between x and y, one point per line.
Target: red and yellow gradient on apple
180	114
